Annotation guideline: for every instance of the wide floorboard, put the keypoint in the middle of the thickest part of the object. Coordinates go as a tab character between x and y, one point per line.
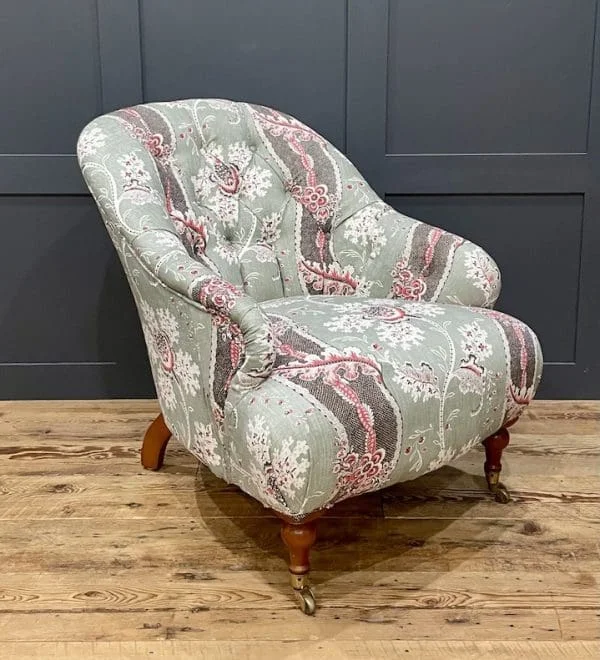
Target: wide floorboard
101	559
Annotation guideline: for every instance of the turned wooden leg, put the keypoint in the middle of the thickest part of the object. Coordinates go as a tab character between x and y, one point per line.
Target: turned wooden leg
299	539
155	444
494	446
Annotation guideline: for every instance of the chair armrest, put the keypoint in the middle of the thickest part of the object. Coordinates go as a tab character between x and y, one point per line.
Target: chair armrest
163	255
395	256
473	278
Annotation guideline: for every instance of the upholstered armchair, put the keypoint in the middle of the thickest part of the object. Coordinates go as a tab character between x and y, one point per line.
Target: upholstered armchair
307	342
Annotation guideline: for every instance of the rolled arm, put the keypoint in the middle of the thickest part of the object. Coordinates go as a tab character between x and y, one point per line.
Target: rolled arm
473	278
437	266
400	257
163	254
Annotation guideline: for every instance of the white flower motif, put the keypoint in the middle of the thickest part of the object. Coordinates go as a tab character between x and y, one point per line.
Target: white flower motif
349	323
471	376
363	229
256	438
484	273
239	154
278	471
428	310
136	176
443	458
403	334
188	372
420	382
90	141
364	288
289	465
168	323
203	183
262	254
475	340
164	389
169	364
256	182
140	197
204	444
226	207
270	228
227	251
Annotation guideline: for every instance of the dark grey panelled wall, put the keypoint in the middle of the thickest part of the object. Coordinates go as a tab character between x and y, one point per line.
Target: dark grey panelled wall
480	116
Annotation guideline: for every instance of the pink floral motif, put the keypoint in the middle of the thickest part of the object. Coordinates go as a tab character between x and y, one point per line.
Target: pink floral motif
405	284
360	473
517	399
330	279
386	313
315	199
232	339
217	294
338	371
155	143
164	350
226	176
192	230
280	125
521	389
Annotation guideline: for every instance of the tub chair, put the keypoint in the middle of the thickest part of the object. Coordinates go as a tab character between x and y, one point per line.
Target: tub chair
307	342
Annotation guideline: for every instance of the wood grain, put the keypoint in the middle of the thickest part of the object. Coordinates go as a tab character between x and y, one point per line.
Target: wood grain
75	591
103	559
327	650
343	623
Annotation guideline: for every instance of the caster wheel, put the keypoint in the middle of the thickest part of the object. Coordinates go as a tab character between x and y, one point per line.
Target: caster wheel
501	494
306	600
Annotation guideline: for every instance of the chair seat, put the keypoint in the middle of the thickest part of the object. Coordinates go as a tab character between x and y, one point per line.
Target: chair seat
368	392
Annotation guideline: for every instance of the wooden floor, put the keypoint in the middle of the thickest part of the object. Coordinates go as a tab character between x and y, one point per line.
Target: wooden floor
102	559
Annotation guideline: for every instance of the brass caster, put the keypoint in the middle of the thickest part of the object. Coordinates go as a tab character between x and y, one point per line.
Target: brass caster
306	600
500	493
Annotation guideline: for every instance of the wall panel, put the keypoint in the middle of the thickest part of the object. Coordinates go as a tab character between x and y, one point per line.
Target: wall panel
289	56
481	76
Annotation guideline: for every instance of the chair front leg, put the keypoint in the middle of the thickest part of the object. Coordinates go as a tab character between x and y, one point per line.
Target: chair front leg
299	537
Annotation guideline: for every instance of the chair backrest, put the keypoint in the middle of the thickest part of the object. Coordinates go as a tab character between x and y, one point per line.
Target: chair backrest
253	193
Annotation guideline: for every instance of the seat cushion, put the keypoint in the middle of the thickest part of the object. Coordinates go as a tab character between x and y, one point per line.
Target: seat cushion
368	393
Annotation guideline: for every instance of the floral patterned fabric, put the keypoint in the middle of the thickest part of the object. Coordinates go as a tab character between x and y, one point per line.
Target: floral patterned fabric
307	341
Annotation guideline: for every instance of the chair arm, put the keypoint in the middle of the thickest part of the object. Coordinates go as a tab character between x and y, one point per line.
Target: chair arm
394	255
165	257
473	278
